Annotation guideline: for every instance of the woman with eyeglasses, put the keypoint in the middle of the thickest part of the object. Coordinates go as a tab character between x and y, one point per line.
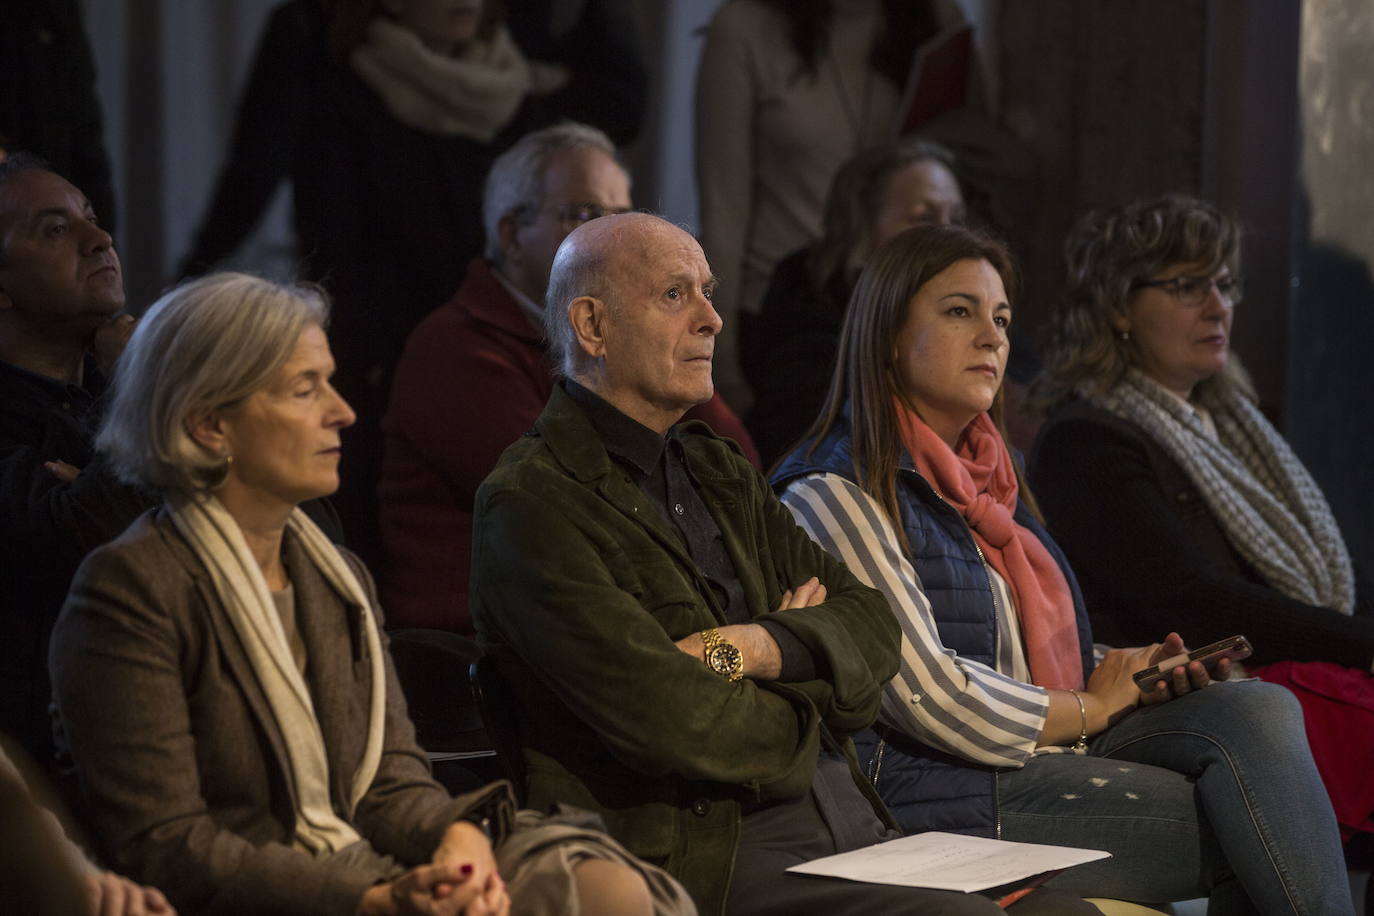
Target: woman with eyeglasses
1177	502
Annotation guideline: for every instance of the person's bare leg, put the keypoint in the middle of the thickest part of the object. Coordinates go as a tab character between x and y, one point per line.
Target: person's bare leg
608	888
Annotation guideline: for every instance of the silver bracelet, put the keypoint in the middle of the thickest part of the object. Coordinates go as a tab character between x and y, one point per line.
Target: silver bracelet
1081	745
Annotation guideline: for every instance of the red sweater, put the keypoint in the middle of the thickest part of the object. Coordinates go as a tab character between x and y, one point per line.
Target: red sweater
473	378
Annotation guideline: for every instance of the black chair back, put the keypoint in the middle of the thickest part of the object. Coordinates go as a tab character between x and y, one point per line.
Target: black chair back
431	666
497	704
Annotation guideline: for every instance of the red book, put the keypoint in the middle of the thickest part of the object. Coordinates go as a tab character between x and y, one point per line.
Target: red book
939	79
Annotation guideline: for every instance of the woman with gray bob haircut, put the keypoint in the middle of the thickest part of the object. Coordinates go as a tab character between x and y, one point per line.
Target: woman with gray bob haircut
256	755
205	345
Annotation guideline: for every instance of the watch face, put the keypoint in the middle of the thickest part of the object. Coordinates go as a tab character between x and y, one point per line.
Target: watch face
724	659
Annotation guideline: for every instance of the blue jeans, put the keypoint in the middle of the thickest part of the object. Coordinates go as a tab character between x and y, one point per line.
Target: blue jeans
1211	795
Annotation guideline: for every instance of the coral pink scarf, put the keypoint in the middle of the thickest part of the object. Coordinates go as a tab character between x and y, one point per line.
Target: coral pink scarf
980	482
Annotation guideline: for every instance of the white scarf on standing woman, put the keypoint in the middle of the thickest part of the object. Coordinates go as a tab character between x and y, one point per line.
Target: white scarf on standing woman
1266	502
473	94
215	538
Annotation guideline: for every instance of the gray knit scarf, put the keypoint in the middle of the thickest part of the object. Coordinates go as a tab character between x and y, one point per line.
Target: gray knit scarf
1270	508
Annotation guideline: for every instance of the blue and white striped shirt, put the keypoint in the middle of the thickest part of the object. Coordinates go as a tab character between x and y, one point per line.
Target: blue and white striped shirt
951	703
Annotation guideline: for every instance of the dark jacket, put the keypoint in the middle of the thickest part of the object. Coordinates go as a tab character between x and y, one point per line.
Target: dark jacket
1153	559
48	527
601	45
787	352
925	788
579	591
183	767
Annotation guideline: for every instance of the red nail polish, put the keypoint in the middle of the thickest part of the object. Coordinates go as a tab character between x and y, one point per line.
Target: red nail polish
465	868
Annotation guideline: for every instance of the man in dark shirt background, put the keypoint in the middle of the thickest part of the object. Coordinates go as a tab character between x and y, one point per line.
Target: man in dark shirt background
61	328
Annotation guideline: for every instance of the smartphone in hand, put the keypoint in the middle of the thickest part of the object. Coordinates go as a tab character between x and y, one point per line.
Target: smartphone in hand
1233	647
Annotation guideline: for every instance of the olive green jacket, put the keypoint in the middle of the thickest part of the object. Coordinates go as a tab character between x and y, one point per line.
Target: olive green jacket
579	588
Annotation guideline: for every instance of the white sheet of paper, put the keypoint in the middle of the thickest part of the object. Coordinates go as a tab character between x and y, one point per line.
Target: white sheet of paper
948	861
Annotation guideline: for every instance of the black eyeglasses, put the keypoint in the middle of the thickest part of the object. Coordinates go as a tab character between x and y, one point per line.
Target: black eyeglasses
586	212
1194	290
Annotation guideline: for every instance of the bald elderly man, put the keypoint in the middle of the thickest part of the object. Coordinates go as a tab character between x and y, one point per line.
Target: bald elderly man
685	661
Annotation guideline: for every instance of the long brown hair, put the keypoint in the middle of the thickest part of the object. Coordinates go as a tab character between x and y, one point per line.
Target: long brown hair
866	364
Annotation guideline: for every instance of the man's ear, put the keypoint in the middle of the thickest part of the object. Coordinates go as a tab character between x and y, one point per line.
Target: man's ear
588	315
507	231
207	430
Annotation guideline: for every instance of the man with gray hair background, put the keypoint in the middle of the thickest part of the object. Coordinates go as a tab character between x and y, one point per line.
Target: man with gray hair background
475	373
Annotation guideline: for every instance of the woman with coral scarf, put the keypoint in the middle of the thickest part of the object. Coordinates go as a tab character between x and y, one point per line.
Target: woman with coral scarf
997	722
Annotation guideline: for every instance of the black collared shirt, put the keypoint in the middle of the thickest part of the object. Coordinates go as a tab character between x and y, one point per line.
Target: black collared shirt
658	466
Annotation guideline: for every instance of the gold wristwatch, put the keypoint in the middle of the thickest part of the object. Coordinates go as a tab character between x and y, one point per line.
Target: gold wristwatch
722	657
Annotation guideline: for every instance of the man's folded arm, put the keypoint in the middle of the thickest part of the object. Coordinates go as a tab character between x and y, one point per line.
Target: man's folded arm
853	637
50	520
542	581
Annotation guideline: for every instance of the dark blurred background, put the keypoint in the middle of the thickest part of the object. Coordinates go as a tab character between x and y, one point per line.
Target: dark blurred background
1264	106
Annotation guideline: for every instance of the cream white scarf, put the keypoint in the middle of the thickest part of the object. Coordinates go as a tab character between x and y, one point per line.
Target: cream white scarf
1271	509
215	538
472	95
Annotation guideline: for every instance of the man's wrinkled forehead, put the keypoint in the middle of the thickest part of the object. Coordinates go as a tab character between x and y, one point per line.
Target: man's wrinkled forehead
637	249
634	255
656	244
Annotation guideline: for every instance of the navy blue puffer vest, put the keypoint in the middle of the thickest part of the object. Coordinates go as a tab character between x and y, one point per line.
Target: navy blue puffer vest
925	788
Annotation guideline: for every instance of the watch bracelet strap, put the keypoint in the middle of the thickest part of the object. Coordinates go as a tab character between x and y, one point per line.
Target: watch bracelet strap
710	640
